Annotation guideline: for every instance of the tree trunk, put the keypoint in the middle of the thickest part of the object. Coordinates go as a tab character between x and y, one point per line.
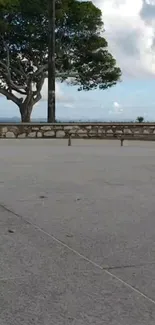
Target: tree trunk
25	112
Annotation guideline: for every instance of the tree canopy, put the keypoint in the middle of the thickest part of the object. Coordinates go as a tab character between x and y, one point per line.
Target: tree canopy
11	3
140	119
81	49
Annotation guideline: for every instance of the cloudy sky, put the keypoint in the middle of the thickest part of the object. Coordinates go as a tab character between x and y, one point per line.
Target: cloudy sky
130	31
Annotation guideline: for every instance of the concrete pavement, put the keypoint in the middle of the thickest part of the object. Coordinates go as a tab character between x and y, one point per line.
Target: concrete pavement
77	233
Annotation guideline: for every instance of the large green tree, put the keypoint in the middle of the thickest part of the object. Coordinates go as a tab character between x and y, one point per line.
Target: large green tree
8	2
81	50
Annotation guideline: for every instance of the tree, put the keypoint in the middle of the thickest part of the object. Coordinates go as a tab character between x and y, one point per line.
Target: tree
10	3
7	2
140	119
81	51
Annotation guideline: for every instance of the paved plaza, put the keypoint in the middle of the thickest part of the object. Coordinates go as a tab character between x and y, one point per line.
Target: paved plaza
77	232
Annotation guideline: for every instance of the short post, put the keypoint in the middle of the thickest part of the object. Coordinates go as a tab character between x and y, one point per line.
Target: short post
122	141
69	140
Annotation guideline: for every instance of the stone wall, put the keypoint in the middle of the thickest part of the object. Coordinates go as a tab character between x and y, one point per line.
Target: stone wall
80	130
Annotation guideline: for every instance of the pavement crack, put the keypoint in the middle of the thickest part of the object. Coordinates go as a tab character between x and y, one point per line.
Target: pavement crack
60	242
121	267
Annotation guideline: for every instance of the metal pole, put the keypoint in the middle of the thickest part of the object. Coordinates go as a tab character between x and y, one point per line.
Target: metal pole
51	62
70	140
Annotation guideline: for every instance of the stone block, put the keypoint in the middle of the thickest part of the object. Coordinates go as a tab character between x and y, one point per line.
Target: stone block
82	131
57	127
10	135
67	128
146	131
49	134
35	128
4	129
46	128
93	134
110	131
101	131
22	135
77	127
32	135
60	134
93	131
73	130
118	132
73	135
14	129
83	135
39	135
127	131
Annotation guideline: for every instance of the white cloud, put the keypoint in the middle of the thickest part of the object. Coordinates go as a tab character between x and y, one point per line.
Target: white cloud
115	104
130	33
117	109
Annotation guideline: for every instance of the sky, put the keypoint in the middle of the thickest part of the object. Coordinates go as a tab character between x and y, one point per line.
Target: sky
130	32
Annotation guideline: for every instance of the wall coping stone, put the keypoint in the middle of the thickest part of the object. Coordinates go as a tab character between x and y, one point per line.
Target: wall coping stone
79	124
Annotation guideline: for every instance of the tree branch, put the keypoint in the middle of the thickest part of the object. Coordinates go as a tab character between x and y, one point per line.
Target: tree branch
40	70
37	98
10	96
21	70
39	85
9	82
7	75
19	91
